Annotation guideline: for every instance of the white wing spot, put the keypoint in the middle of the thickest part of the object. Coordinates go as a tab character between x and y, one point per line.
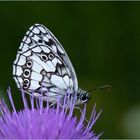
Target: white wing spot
37	49
19	70
45	49
45	38
58	81
41	29
36	67
51	66
34	85
67	80
54	48
28	53
35	30
48	36
36	38
24	47
28	40
36	76
20	59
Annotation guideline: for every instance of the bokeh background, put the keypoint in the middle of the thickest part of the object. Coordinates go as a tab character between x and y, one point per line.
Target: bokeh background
102	40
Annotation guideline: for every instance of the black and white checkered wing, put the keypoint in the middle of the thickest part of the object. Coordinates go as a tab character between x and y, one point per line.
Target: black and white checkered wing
42	64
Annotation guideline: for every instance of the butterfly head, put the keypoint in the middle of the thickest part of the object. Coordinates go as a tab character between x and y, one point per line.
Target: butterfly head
83	96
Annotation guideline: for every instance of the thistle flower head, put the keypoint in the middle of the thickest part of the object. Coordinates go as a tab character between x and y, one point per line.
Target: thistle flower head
39	122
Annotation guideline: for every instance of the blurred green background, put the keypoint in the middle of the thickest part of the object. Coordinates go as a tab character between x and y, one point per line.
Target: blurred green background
102	40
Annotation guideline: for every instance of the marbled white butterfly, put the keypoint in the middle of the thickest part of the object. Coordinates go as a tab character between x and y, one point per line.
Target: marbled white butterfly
43	65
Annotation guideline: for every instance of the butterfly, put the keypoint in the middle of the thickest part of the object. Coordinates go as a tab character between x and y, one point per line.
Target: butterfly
43	66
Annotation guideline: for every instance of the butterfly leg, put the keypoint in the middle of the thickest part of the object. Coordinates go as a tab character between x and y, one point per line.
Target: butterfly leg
52	104
82	112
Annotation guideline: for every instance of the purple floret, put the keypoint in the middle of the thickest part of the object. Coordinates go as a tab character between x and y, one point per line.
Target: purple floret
44	122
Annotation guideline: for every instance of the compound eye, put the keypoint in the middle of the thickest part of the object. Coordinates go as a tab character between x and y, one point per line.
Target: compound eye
51	56
44	57
84	97
29	64
26	73
25	83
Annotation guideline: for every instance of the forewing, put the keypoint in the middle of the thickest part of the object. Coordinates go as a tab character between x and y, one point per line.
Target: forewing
42	62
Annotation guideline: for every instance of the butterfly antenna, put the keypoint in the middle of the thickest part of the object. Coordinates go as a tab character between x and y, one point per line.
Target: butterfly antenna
105	87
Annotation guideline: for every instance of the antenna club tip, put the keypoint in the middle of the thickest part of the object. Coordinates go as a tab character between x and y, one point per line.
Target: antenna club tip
108	87
105	87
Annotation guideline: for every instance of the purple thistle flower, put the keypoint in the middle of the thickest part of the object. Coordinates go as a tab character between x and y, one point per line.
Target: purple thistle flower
44	122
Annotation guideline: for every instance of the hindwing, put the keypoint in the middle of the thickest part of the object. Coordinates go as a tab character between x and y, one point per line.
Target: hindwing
42	63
